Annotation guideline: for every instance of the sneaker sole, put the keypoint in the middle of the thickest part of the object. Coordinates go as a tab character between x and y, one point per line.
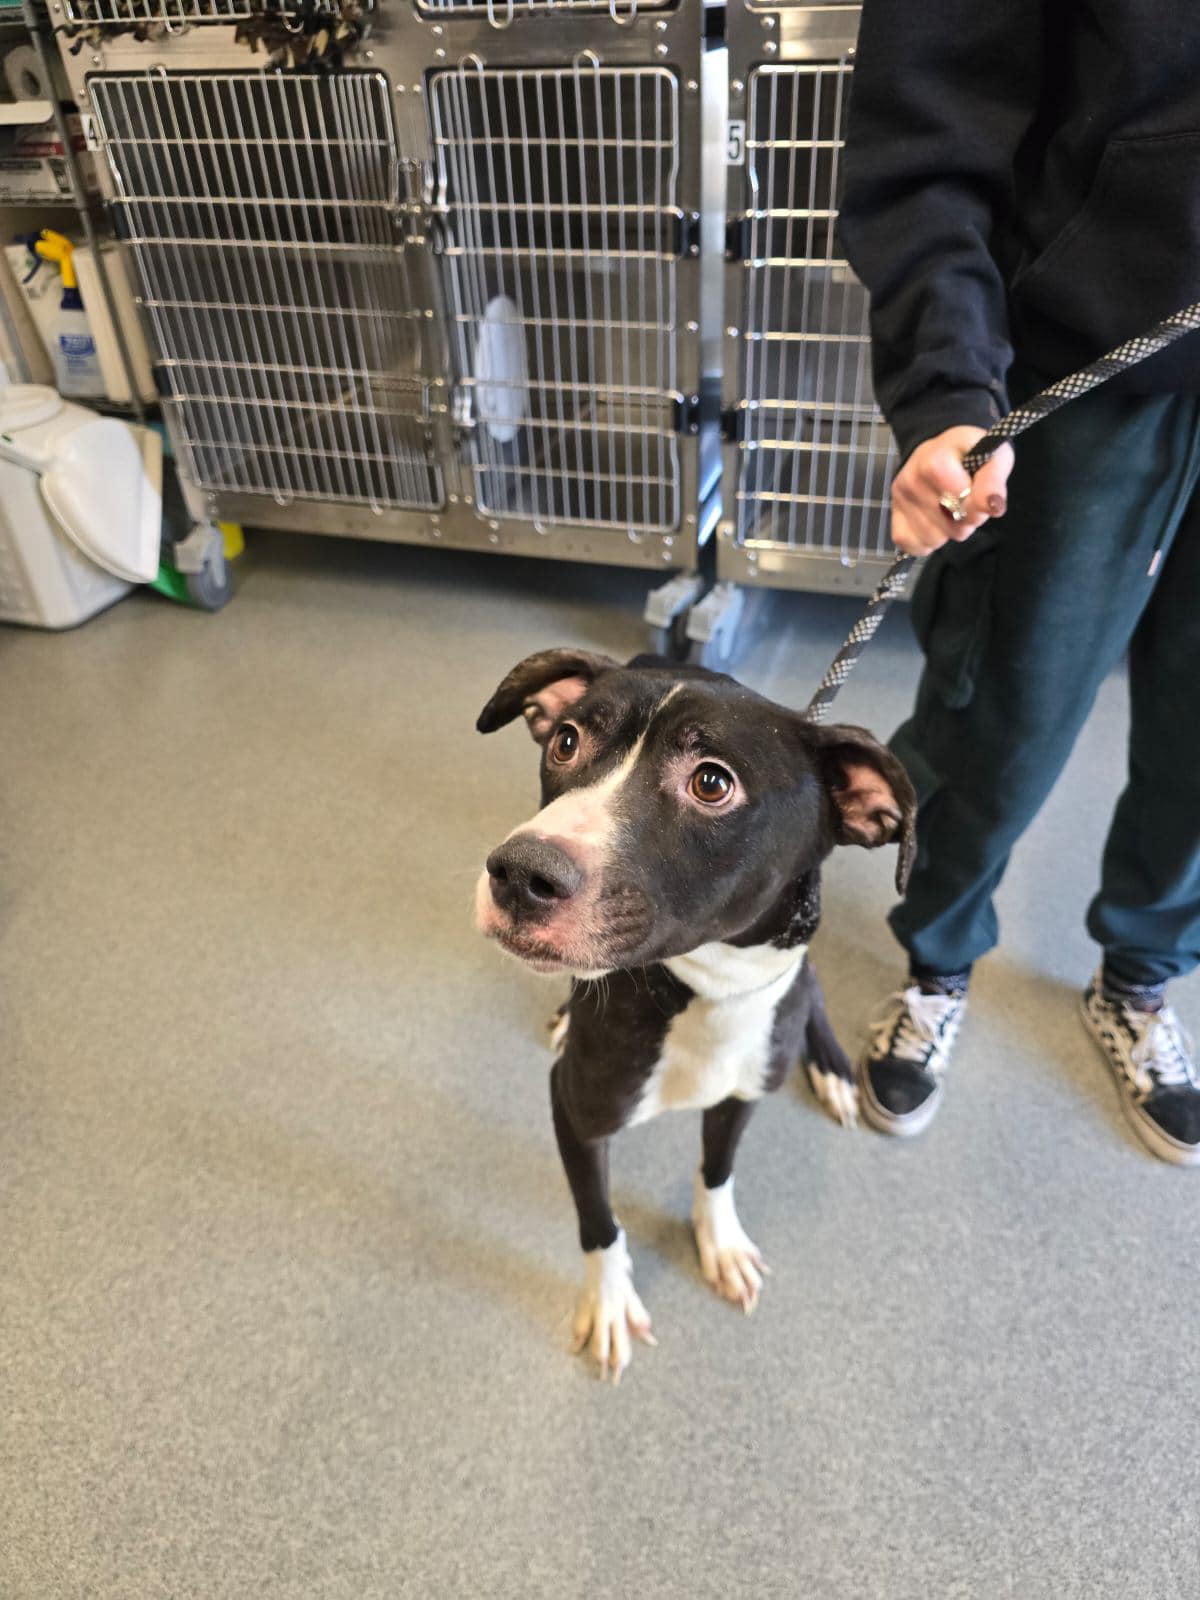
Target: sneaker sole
905	1126
1156	1140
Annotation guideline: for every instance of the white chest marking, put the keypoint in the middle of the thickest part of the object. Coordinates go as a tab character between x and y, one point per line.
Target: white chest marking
721	1044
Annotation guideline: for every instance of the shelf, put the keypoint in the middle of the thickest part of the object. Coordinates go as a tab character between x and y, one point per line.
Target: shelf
33	202
25	113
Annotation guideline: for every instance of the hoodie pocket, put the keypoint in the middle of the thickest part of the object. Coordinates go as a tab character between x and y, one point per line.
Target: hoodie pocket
1130	253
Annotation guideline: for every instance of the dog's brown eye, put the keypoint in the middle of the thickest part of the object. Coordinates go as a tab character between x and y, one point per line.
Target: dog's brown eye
711	784
565	744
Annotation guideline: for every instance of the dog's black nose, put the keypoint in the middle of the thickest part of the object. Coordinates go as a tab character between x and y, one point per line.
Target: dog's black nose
530	876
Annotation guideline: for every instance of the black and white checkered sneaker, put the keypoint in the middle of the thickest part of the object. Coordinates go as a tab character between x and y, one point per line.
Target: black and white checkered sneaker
900	1072
1151	1059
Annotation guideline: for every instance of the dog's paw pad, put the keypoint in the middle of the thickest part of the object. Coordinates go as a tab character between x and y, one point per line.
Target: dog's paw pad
838	1095
729	1259
608	1314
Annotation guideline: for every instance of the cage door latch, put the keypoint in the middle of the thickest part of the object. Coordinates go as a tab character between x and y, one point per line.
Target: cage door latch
462	411
737	239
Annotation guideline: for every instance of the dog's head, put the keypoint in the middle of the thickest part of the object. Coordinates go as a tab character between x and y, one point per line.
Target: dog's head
678	808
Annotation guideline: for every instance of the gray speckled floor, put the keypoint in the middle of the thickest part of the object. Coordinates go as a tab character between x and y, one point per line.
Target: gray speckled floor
287	1258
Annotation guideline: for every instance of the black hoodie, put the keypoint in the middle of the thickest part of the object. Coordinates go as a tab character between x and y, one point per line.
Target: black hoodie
1021	173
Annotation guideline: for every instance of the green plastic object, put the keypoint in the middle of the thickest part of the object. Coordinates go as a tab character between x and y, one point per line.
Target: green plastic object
173	584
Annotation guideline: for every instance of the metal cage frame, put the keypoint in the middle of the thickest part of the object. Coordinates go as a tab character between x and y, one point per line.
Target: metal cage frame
807	458
418	55
583	270
280	308
171	16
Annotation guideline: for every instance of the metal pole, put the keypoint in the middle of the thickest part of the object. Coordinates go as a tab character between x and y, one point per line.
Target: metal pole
47	51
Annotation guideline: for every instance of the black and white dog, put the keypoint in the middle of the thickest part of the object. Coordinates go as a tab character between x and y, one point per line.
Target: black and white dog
677	858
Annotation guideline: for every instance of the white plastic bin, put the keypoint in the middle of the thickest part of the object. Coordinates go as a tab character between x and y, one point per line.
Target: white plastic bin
80	508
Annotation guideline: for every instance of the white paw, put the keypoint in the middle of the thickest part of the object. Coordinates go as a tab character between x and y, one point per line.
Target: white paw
608	1310
729	1258
838	1095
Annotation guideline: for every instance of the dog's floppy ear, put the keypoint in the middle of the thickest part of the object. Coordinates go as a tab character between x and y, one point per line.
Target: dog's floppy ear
541	687
873	797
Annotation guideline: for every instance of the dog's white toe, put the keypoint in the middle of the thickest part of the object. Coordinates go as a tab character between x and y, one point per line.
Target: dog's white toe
609	1311
729	1258
838	1095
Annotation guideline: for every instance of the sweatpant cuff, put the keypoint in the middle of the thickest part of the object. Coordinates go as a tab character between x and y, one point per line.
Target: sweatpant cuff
1142	996
950	983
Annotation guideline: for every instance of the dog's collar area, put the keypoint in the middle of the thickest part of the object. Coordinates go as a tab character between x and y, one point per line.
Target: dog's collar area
732	972
806	912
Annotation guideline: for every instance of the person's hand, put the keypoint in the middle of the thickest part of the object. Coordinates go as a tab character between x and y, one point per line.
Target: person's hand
919	524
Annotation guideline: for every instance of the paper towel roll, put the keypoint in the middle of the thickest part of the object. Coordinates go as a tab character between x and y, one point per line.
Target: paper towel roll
24	76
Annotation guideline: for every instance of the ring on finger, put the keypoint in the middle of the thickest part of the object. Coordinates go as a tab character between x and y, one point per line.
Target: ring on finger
952	505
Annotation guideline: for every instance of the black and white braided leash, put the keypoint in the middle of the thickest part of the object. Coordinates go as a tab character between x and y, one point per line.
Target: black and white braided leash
895	579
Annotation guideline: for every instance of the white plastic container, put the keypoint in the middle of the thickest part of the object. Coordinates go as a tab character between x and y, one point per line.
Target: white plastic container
27	359
39	285
77	374
33	293
102	324
80	508
45	582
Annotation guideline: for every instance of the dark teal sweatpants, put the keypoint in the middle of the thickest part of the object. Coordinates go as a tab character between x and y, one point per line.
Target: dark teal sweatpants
1019	627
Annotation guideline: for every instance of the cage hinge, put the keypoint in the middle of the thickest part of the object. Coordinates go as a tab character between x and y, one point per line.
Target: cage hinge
117	212
687	413
687	234
737	239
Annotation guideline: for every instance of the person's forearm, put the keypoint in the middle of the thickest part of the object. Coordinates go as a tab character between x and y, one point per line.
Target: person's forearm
942	97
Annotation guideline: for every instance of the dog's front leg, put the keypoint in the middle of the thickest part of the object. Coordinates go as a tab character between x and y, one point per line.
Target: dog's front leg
729	1258
608	1309
828	1066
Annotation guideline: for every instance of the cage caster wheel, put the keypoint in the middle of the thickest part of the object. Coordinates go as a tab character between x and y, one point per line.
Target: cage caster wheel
201	559
210	589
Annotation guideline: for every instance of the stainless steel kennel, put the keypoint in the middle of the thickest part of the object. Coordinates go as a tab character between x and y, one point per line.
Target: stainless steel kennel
808	459
461	280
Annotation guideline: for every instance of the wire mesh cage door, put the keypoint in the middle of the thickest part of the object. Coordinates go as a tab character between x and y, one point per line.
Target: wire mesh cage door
165	16
813	458
500	13
561	235
262	214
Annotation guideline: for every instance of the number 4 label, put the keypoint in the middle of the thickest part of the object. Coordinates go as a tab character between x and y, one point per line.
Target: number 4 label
735	144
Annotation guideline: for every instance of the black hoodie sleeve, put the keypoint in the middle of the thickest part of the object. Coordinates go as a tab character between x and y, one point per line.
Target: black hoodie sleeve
942	97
